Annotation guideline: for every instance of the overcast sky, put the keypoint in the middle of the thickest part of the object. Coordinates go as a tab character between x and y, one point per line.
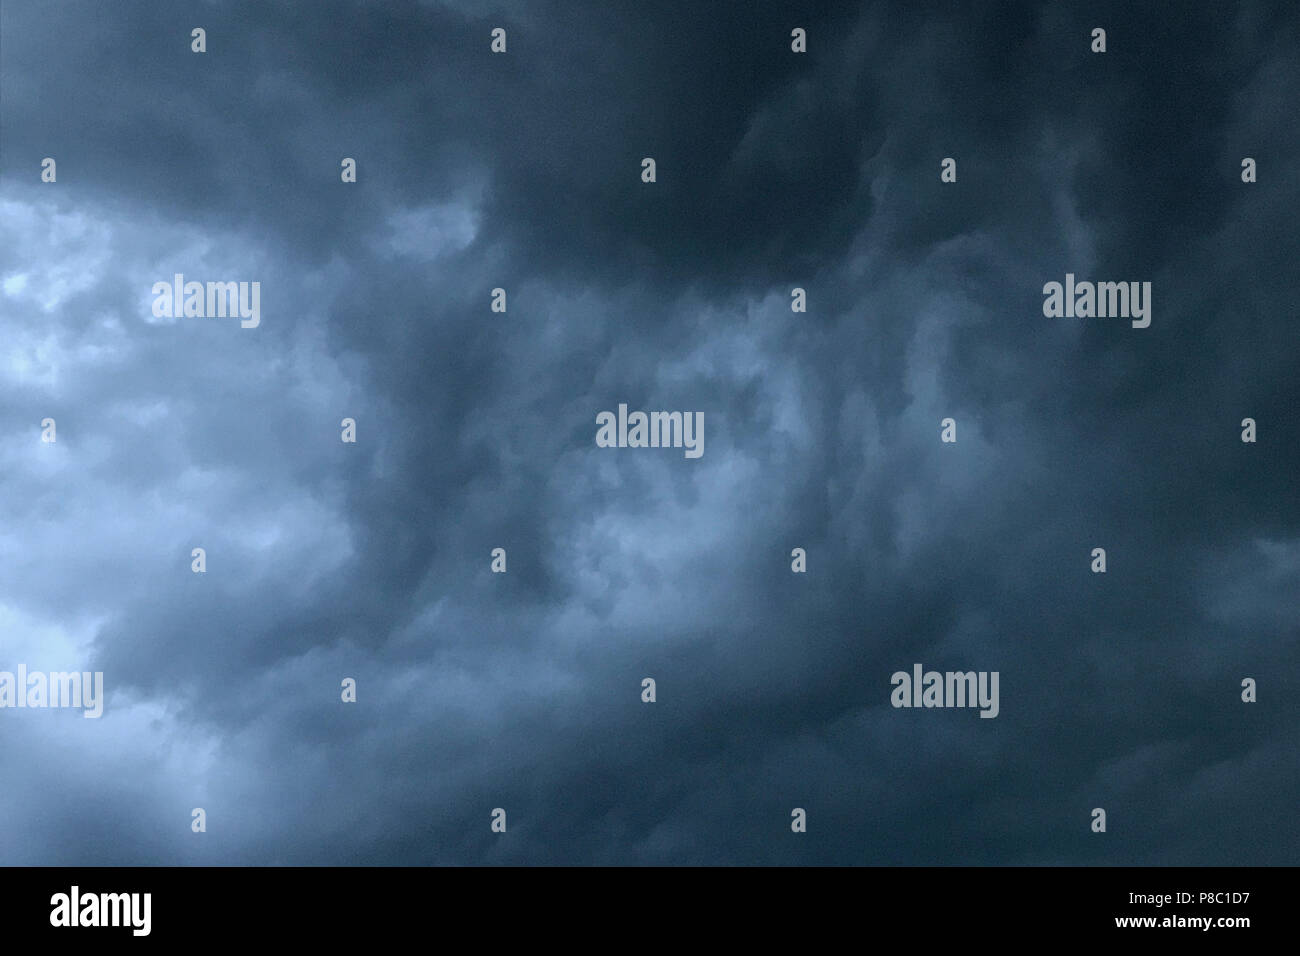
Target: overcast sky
475	430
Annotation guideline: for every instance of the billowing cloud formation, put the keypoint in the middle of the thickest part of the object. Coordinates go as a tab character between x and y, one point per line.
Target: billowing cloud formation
476	430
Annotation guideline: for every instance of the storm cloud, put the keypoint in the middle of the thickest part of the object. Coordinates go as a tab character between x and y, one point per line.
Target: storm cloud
475	430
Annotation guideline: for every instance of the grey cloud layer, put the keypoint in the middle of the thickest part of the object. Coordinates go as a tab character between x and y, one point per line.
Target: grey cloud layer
476	431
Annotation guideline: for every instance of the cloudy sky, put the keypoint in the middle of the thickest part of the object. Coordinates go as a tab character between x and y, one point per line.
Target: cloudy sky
475	430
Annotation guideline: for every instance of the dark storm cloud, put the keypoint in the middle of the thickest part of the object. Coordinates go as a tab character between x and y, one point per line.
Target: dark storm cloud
821	431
